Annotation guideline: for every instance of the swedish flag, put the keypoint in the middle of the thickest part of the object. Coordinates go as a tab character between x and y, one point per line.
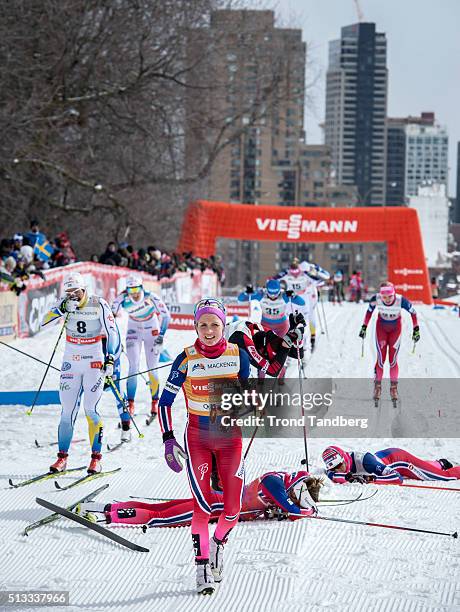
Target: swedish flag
42	249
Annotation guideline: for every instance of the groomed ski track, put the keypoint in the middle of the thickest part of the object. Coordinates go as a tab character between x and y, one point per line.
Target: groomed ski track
303	566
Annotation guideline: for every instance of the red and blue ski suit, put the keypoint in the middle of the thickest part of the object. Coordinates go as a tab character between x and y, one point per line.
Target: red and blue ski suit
271	490
388	331
392	466
202	379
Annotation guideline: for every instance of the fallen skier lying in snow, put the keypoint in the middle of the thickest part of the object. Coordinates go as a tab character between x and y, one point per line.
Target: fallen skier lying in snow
272	494
387	466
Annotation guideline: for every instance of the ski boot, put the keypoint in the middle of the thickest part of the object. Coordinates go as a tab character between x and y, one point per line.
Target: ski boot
377	392
61	464
131	407
394	393
92	511
126	431
95	465
205	584
216	558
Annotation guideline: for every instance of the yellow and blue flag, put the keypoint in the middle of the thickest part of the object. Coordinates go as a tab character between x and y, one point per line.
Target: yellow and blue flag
43	249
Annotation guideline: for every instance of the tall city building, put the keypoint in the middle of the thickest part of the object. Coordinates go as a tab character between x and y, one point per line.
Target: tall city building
356	107
396	162
426	155
248	59
417	150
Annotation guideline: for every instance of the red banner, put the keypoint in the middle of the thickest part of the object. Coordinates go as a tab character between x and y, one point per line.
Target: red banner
106	281
397	226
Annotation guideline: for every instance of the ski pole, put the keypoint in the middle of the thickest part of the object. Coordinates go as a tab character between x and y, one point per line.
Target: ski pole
413	348
165	365
299	367
324	315
29	412
385	525
319	320
362	348
413	486
139	373
13	348
122	400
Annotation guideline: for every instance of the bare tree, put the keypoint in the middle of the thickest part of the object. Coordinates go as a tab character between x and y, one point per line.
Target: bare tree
93	112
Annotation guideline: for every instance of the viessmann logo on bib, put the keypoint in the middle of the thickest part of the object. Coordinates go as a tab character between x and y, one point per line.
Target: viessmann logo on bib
295	224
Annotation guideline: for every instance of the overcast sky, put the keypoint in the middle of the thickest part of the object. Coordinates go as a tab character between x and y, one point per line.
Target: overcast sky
423	42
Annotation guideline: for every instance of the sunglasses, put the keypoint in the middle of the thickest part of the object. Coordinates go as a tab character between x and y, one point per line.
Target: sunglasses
210	302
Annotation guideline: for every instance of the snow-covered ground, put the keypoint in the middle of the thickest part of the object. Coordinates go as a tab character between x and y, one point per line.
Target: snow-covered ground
307	565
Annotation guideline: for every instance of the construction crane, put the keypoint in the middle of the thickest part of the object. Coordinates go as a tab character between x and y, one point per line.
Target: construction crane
359	11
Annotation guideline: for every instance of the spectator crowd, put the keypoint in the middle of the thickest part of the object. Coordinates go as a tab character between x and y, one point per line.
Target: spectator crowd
161	264
28	254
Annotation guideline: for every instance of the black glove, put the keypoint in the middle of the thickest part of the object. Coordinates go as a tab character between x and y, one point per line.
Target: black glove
108	365
370	478
293	336
159	339
349	477
289	293
416	334
362	333
296	320
68	305
249	289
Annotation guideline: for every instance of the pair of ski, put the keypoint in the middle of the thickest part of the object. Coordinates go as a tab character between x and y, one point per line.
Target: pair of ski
395	401
67	513
50	475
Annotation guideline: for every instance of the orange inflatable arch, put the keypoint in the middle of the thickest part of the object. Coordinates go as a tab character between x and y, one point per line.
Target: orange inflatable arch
399	227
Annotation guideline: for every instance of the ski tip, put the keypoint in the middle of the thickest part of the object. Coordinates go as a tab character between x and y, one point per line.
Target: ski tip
57	485
11	483
37	444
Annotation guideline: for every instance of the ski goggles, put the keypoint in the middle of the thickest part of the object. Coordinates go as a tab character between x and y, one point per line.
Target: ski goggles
210	305
134	290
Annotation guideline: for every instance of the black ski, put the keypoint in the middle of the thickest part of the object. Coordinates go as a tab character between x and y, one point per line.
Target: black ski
85	479
150	418
53	517
93	526
110	449
38	445
45	476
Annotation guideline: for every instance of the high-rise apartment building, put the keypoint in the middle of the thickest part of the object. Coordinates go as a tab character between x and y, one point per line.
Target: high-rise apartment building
396	162
426	156
417	150
356	106
248	60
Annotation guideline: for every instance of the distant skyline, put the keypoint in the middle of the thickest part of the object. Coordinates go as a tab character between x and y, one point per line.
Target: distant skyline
423	56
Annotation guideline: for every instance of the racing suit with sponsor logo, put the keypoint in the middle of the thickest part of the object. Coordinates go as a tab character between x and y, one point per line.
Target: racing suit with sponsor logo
148	321
81	371
202	380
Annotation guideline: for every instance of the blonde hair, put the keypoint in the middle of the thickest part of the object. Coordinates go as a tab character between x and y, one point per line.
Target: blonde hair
314	485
